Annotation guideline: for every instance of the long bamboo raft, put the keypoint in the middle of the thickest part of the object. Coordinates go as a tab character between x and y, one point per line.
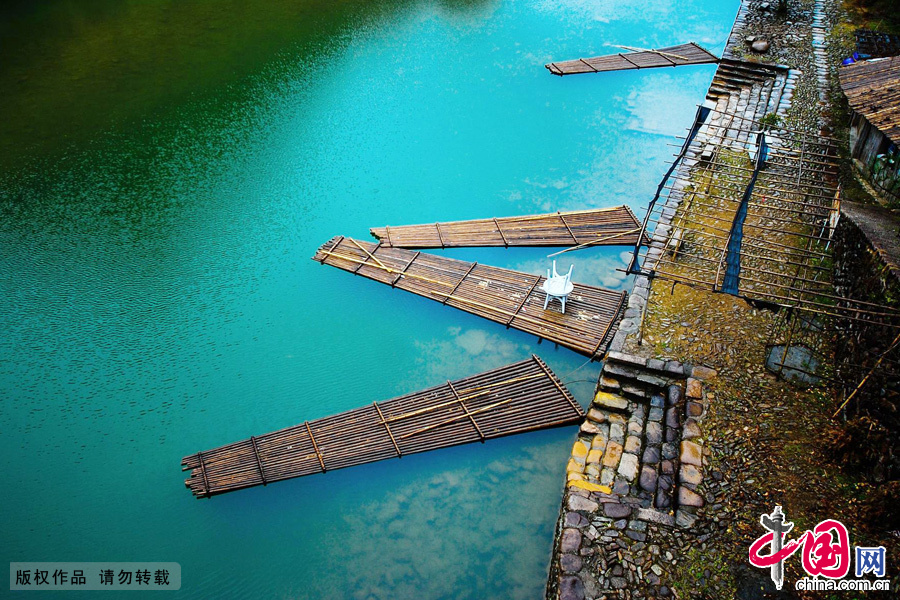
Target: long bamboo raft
673	56
520	397
597	227
509	297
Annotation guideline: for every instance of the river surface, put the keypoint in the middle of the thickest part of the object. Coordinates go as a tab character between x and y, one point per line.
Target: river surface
167	169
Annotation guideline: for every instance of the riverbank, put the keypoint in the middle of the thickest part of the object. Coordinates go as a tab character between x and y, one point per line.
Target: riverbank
690	438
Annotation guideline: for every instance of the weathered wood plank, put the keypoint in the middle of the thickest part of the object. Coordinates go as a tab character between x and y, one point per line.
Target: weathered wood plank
673	56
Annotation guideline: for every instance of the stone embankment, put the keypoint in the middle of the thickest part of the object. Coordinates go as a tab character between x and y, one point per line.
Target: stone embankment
650	485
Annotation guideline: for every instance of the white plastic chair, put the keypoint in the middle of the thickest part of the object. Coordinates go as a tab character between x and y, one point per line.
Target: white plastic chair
558	286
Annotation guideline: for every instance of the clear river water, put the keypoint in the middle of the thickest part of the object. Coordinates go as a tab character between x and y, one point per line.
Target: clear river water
167	169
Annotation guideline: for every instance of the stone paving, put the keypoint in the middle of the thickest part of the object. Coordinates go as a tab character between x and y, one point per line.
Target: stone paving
641	492
636	467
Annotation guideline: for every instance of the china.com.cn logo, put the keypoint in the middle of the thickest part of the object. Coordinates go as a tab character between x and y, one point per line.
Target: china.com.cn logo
825	554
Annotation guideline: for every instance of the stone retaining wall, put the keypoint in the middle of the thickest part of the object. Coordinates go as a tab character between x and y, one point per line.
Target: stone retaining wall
866	251
639	493
637	467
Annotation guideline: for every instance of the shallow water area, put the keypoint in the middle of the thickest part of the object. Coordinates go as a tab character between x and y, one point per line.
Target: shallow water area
166	172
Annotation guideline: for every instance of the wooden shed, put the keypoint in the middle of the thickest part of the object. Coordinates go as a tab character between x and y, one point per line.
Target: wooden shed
872	88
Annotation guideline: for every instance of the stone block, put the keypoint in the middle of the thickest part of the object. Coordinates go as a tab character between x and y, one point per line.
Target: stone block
694	388
651	455
633	444
610	401
608	383
656	364
691	430
626	358
675	395
570	540
569	563
597	416
691	454
635	426
654	516
690	475
652	380
607	476
617	433
590	487
589	428
685	519
654	433
672	420
621	487
675	367
688	497
615	510
637	536
579	451
705	373
579	503
574	519
669	451
613	454
571	588
648	478
628	466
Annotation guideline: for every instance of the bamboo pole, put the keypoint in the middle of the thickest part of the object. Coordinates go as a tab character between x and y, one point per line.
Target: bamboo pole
457	418
388	429
651	50
593	242
866	378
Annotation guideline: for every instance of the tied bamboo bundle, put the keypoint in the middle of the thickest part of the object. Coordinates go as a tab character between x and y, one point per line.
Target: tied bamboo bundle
604	226
520	397
511	298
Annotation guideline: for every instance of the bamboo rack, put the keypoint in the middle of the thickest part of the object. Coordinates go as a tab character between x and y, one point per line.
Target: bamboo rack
510	298
785	248
599	227
520	397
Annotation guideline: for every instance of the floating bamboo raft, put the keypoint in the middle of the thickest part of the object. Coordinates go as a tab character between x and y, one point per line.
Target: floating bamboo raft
600	227
521	397
673	56
501	295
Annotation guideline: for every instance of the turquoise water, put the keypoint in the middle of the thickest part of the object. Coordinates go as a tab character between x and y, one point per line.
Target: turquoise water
167	171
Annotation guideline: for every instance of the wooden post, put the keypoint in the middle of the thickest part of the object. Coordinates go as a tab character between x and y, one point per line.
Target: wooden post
522	303
461	279
315	446
466	410
262	473
403	270
203	472
387	427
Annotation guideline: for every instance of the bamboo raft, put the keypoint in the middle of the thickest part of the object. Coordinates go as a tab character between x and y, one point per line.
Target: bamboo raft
673	56
520	397
600	227
509	297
